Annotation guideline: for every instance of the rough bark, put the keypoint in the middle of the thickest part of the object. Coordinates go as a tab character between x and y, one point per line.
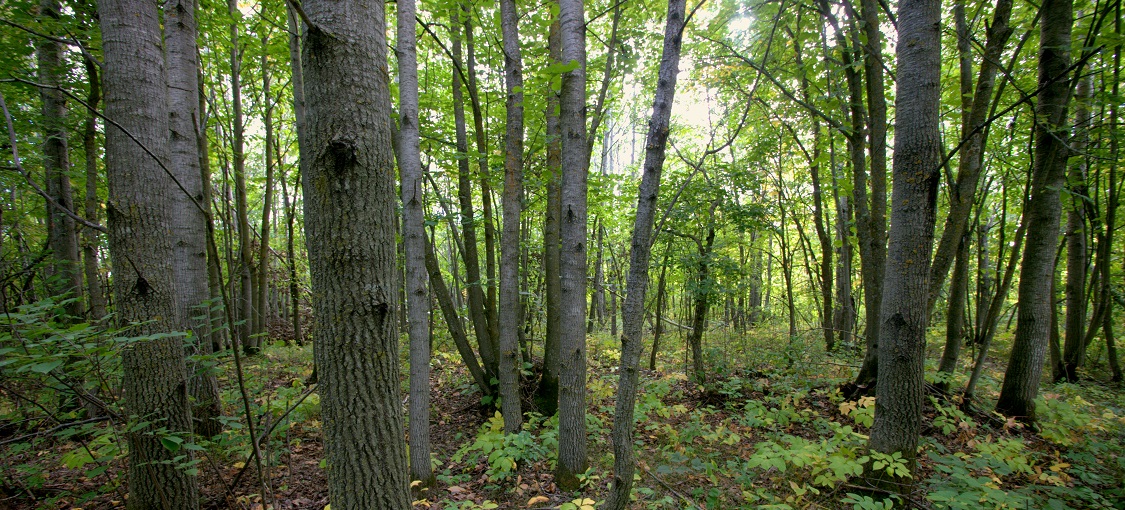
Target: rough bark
188	222
917	161
572	263
1025	364
349	197
62	235
155	376
509	313
414	244
656	141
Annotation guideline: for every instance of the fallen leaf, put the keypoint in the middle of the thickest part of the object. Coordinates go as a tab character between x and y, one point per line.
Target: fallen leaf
536	500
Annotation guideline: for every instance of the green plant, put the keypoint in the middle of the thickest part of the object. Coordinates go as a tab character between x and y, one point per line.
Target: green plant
503	451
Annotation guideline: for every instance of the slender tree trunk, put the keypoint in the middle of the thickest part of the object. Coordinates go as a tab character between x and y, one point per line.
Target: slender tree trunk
155	377
349	216
414	244
510	241
62	235
1077	256
1025	365
572	460
917	162
656	141
262	281
876	215
955	315
298	80
97	298
488	353
974	134
548	397
661	302
453	320
245	301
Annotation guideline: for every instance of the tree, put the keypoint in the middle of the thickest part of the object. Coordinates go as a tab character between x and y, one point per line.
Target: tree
62	235
189	221
656	141
155	377
349	191
509	313
244	302
916	164
1033	319
414	245
572	261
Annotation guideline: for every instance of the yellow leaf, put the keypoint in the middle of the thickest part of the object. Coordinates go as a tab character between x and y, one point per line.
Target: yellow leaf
328	507
239	465
536	500
415	483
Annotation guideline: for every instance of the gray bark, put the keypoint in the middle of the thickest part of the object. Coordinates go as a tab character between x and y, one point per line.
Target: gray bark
188	222
90	241
155	377
414	244
917	161
572	459
261	281
510	306
349	198
548	397
1025	364
245	300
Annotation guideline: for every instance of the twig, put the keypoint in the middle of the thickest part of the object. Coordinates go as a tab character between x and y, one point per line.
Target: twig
686	499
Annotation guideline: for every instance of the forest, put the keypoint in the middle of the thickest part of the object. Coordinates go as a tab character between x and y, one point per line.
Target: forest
576	255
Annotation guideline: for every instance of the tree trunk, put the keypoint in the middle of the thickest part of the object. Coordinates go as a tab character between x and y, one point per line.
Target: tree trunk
90	243
656	141
477	310
189	223
974	137
262	281
955	316
572	262
661	302
453	321
62	235
1077	256
414	244
155	377
510	240
548	397
1025	364
349	218
298	81
245	300
917	162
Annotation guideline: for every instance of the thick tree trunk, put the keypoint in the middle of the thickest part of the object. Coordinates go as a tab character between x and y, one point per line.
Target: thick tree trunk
509	313
548	397
349	219
1025	364
62	235
155	377
572	262
414	244
917	162
189	223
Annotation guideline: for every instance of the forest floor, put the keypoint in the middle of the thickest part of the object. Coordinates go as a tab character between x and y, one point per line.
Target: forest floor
770	429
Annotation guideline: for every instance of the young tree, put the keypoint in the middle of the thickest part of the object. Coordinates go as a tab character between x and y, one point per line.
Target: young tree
414	245
572	262
510	240
155	377
349	195
917	163
633	314
1033	319
548	397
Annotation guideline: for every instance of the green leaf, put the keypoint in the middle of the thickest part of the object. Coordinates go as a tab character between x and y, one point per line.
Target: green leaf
45	366
171	443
